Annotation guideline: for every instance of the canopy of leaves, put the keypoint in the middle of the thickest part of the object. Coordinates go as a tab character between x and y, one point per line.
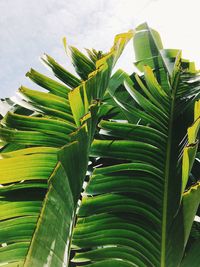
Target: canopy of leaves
102	170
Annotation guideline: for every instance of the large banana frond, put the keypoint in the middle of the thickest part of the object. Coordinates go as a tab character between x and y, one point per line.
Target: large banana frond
45	159
137	209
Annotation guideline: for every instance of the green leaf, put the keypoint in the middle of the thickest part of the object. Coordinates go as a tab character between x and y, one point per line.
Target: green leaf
41	186
50	104
62	74
190	150
183	224
133	200
49	243
52	86
192	256
82	64
96	84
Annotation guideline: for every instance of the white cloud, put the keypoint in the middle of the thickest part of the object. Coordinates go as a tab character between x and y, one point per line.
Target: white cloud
30	28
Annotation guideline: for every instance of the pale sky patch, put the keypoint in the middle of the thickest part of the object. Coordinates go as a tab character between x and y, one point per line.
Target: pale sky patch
30	28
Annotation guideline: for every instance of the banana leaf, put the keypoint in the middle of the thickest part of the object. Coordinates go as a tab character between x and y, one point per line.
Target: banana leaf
138	207
44	162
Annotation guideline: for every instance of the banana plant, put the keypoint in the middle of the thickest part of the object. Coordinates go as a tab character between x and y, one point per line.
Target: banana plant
103	170
46	141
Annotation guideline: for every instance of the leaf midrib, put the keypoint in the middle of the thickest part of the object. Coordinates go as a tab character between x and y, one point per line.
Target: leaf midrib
167	173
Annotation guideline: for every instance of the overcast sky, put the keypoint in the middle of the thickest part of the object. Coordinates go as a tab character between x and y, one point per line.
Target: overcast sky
30	28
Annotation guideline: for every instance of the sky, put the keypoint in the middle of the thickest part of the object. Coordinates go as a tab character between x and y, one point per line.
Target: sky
28	29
